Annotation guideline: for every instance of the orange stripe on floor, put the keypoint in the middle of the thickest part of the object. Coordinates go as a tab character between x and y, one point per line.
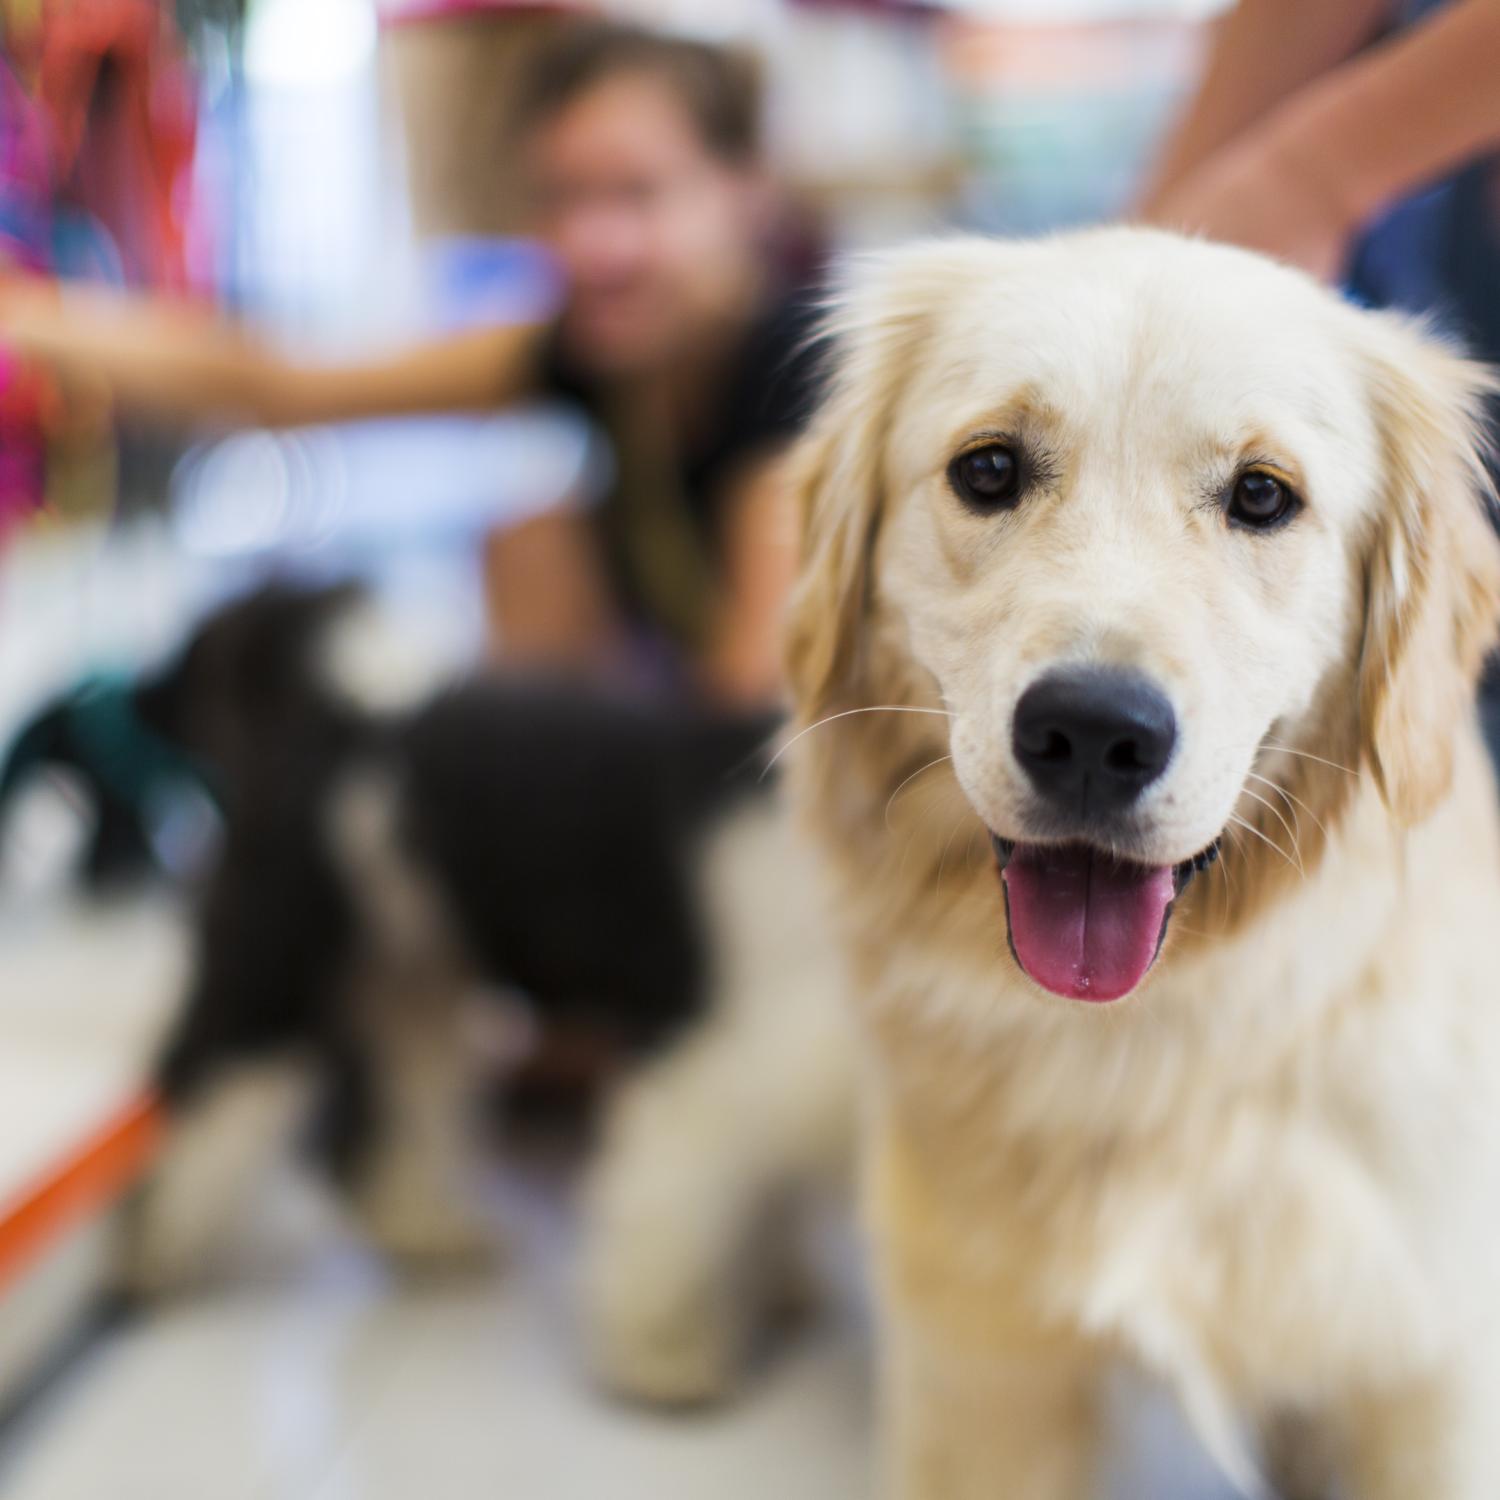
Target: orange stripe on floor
83	1184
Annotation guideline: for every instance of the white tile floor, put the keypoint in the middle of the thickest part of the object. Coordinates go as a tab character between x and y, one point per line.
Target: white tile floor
340	1389
309	1374
83	1001
327	1382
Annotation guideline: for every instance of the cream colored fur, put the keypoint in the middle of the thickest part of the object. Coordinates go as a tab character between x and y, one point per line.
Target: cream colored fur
1271	1175
710	1152
180	1228
416	1198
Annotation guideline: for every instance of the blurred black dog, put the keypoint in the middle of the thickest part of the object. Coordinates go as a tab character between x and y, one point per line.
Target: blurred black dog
128	747
619	868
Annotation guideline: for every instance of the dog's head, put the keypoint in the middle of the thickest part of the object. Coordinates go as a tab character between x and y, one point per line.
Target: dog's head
1172	543
250	680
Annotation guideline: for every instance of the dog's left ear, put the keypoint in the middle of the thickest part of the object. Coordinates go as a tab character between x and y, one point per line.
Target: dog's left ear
1432	577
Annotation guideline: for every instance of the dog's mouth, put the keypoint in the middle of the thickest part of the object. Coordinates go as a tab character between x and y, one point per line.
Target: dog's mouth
1083	923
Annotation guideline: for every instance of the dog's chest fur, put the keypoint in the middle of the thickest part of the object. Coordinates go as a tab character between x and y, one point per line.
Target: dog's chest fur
1162	1240
1230	1184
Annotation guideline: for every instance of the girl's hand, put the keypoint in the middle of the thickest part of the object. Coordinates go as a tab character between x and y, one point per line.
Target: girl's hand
1263	193
63	401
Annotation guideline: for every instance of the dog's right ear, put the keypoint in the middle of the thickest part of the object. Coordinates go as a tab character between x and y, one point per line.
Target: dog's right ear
838	476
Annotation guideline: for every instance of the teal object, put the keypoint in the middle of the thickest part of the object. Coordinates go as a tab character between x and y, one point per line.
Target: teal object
131	760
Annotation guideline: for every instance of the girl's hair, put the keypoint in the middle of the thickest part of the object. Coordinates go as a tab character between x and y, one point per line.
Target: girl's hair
718	88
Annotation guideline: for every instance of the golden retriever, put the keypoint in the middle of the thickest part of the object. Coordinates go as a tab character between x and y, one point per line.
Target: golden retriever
1145	585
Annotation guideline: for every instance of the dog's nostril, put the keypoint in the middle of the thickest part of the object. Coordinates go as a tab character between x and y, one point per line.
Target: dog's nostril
1058	747
1125	755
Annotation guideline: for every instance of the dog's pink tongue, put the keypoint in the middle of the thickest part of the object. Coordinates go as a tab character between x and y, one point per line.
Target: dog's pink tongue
1082	924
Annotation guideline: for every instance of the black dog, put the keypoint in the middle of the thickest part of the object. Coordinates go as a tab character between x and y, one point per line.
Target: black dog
620	867
555	828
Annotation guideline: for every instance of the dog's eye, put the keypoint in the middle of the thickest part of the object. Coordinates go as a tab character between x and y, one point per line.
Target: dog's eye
987	478
1261	501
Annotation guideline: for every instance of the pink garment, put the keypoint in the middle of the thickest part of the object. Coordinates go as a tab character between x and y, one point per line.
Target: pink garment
25	240
405	12
125	153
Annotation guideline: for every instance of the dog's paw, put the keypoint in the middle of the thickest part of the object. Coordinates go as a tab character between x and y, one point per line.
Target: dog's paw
423	1234
457	1248
159	1253
673	1360
654	1336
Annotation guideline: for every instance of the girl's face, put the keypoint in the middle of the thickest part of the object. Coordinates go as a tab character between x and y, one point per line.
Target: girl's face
655	234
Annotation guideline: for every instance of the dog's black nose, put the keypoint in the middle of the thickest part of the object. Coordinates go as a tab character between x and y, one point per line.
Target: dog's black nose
1094	738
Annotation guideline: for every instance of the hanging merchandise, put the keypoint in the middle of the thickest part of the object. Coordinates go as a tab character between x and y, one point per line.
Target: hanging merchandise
25	243
121	105
98	116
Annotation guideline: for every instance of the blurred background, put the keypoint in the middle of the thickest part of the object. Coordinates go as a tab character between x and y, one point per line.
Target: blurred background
341	178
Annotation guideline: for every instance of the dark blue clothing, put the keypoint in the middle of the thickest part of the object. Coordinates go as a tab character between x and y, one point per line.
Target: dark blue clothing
1438	251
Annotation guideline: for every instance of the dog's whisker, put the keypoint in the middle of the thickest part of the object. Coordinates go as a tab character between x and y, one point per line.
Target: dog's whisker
1270	843
906	783
1281	749
1222	866
948	842
875	708
1290	832
918	827
1285	797
920	824
1281	791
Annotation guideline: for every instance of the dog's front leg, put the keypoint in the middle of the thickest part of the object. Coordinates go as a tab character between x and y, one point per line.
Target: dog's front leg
225	1137
983	1399
1004	1424
415	1192
689	1220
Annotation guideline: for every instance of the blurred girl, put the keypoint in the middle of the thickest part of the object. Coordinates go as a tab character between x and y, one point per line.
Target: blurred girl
643	157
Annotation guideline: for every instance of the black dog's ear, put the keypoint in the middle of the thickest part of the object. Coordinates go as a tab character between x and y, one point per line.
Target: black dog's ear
249	658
